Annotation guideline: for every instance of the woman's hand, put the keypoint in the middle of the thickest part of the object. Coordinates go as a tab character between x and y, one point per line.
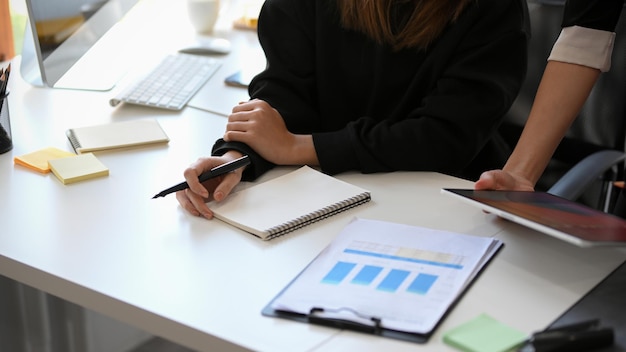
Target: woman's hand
502	180
194	198
260	126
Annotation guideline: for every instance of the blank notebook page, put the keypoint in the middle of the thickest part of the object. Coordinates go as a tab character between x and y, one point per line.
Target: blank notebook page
288	202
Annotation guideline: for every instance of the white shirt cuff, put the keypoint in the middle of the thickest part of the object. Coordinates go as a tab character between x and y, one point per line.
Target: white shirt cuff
584	46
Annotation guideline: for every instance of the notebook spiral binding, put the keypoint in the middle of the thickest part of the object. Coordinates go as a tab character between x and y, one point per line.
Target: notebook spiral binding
323	213
73	139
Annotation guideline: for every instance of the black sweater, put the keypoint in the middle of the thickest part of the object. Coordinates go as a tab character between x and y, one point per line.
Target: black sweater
596	14
373	110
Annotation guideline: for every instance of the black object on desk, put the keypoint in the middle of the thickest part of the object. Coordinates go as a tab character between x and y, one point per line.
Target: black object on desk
585	336
373	329
205	176
6	142
605	302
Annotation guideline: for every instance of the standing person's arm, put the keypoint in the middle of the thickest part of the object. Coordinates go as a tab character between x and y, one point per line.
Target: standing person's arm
581	52
562	92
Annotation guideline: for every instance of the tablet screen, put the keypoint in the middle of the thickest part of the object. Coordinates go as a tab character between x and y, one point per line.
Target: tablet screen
562	218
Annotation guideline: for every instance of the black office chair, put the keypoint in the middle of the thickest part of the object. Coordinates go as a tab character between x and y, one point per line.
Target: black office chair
603	167
599	132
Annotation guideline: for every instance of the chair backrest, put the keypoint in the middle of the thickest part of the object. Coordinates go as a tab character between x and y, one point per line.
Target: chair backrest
601	123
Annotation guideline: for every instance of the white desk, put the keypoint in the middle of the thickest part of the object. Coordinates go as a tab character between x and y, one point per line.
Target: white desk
106	245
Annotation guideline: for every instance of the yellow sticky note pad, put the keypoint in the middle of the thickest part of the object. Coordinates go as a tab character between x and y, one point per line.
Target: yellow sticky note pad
78	168
484	334
38	160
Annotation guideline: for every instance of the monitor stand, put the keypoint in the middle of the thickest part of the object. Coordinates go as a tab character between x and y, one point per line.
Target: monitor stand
103	64
29	66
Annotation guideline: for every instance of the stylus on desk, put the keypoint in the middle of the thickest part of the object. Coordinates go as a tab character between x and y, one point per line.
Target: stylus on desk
205	176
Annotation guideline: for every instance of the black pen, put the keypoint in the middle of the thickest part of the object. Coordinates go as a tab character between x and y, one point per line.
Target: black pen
214	172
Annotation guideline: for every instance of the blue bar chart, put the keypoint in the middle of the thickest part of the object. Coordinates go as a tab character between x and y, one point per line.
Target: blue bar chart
390	282
390	275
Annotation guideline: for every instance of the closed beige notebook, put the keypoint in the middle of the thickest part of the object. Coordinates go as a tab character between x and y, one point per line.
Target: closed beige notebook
116	135
288	202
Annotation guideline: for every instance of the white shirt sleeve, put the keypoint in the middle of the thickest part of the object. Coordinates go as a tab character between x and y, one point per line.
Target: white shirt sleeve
584	46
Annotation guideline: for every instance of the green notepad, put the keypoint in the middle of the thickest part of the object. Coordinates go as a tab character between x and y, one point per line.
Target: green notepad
77	168
484	334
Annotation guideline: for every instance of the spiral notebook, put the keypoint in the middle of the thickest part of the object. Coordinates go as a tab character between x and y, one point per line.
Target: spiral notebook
116	135
289	202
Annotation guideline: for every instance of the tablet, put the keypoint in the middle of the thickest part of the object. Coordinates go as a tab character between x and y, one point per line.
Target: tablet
555	216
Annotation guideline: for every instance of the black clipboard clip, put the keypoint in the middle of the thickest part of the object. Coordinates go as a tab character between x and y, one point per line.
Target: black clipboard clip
578	337
346	318
330	317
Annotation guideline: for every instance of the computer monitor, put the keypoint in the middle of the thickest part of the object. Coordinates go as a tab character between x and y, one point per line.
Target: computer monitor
75	44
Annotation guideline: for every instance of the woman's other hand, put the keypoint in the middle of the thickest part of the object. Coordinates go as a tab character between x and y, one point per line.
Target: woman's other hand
194	198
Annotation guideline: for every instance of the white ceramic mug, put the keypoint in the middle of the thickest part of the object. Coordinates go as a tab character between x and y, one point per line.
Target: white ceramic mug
203	14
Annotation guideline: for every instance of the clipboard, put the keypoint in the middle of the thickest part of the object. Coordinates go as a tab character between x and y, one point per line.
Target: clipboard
314	318
368	324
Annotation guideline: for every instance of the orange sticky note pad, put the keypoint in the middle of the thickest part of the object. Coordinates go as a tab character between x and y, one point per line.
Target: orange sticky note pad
38	160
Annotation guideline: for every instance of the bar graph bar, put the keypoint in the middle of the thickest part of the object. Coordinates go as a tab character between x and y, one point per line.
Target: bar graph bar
338	273
393	280
366	275
422	283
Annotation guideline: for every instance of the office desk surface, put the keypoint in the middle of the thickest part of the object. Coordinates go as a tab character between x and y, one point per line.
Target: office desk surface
106	245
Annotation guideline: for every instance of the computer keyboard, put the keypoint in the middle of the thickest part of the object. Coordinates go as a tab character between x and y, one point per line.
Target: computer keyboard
171	84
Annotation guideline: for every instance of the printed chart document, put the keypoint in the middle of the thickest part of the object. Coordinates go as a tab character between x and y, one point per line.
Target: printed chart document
389	276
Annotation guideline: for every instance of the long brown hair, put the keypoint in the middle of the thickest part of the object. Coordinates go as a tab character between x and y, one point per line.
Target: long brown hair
401	23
